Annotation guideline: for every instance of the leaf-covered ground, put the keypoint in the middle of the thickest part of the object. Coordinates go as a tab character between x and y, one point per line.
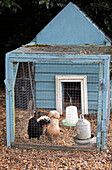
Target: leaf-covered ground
20	159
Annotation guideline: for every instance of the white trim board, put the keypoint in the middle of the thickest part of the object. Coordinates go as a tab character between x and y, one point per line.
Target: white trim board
69	78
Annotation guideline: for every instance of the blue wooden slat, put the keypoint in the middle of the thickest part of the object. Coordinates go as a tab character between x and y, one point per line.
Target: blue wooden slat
51	77
52	95
45	86
50	104
51	86
91	87
92	96
46	95
92	111
93	105
48	68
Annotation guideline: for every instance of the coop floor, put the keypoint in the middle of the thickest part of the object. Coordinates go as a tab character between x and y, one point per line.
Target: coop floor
66	133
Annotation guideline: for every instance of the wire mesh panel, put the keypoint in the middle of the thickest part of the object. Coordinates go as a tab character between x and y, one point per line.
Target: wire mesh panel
24	98
50	88
23	87
36	118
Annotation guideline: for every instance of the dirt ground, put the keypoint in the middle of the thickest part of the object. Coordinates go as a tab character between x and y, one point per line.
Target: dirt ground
14	158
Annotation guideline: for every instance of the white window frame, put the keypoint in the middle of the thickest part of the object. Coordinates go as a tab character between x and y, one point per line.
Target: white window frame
74	78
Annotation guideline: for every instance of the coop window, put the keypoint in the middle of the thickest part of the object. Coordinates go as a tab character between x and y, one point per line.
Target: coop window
74	87
71	94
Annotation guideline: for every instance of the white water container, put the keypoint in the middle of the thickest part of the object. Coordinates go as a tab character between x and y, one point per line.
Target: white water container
71	115
83	128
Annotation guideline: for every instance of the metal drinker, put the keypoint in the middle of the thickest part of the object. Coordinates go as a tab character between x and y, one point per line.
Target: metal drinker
83	128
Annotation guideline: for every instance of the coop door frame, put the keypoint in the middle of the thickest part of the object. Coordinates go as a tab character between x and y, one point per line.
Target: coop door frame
74	78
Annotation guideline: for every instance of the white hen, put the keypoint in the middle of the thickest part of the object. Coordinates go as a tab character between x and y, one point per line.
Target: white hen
53	129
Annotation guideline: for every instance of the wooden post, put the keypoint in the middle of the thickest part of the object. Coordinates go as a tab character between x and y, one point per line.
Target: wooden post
8	89
105	104
99	106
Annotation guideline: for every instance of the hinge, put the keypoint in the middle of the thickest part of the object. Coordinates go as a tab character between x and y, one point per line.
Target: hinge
7	85
101	126
102	85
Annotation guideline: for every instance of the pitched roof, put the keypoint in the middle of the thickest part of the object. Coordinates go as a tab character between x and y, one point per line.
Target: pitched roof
71	27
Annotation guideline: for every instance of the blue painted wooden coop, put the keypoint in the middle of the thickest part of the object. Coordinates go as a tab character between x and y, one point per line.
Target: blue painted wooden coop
68	58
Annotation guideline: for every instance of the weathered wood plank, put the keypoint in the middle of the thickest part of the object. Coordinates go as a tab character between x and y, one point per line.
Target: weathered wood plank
54	147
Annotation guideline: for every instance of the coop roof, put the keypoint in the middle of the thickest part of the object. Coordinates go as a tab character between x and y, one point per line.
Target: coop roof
84	49
71	27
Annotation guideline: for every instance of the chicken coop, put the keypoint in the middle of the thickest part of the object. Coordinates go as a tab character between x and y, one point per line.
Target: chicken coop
59	91
42	78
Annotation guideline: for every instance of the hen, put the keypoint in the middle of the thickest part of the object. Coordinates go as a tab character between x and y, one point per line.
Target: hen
53	129
35	126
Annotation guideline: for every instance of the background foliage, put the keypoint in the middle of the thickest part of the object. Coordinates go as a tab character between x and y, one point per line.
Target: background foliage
21	20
